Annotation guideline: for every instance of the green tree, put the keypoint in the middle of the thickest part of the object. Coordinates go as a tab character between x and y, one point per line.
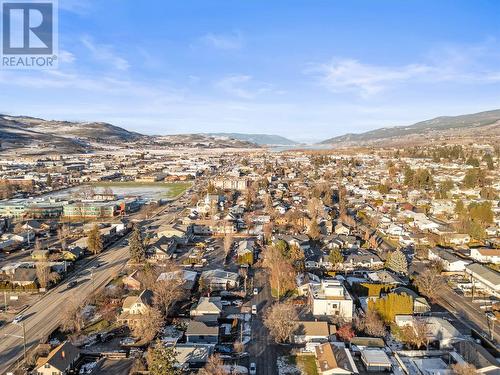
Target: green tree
161	360
335	258
137	249
94	240
391	305
397	262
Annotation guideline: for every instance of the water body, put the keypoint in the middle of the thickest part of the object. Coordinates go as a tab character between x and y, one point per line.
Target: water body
300	147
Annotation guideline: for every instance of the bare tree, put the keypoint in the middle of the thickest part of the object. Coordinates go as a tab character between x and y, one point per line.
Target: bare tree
463	369
429	282
148	325
372	324
44	274
72	317
281	320
214	366
281	272
228	243
415	334
169	291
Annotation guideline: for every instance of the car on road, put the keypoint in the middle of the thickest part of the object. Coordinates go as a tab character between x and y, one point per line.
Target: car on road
253	369
254	309
72	284
18	319
127	341
255	291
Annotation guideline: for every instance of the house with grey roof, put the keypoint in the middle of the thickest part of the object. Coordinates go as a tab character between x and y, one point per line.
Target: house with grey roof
61	360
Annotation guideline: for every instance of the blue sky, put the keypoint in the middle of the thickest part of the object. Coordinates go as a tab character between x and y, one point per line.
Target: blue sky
307	69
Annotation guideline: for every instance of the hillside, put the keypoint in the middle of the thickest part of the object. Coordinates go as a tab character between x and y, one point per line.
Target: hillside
454	128
32	135
260	139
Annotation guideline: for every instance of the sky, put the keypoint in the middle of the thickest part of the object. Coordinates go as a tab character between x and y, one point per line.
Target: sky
307	70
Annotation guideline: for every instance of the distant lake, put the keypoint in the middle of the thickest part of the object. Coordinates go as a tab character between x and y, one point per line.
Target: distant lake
300	147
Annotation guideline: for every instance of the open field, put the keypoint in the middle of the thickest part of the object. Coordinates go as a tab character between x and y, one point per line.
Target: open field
171	189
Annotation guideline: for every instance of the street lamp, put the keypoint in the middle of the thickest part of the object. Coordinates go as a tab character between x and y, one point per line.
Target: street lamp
20	337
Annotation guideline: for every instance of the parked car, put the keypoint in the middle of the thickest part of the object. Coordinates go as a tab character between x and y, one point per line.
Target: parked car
253	369
254	309
255	291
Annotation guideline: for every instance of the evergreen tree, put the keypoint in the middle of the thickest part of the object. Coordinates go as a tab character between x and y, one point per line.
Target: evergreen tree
335	258
161	360
397	262
137	250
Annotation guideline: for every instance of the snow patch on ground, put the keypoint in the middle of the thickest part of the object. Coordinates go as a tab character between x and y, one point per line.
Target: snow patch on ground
287	368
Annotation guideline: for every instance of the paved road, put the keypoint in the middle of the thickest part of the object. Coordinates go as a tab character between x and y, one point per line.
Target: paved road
261	349
45	315
468	313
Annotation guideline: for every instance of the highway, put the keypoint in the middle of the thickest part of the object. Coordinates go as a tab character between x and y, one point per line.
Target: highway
44	316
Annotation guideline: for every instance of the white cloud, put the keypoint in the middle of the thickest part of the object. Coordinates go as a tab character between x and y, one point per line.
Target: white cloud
349	74
105	53
464	64
223	42
242	86
66	57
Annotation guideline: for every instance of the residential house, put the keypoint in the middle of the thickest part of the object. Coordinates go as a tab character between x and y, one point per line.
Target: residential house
332	359
131	282
245	251
362	259
134	307
439	331
199	332
330	298
313	332
61	360
451	262
219	279
208	309
72	254
188	277
161	250
192	355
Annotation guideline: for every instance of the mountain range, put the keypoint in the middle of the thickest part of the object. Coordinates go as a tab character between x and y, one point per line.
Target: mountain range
34	135
259	139
482	125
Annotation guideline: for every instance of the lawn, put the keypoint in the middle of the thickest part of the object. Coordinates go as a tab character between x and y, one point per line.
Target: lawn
296	364
307	363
